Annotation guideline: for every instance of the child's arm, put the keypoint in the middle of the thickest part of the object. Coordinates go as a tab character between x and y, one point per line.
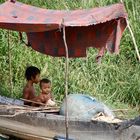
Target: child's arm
26	94
51	96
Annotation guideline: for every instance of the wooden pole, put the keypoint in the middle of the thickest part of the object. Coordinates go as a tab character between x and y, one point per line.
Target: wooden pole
30	101
10	65
66	79
133	38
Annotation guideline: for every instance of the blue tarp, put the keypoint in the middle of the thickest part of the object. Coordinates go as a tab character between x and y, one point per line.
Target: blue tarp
84	106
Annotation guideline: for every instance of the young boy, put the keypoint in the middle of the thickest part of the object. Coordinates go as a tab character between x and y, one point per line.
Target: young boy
45	95
32	76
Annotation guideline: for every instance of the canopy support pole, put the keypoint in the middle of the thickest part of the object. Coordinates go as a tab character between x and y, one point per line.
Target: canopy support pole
66	79
10	66
133	38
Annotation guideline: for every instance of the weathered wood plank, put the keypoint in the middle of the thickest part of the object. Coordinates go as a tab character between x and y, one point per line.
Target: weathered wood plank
24	131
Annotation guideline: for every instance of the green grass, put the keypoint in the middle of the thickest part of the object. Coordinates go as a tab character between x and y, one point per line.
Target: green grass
115	81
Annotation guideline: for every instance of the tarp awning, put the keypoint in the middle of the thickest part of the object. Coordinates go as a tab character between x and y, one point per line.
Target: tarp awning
98	27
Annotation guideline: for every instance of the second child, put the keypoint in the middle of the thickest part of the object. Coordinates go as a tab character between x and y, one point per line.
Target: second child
46	95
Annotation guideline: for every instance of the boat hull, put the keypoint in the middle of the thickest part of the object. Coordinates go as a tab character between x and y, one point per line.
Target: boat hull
36	125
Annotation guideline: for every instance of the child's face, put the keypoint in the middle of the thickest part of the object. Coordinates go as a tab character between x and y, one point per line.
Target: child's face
46	87
36	79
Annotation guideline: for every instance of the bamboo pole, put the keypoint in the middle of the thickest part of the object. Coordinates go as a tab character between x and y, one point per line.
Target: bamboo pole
30	101
132	35
66	79
10	65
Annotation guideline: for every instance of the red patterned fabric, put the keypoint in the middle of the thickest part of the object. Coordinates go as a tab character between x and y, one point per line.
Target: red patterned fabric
101	28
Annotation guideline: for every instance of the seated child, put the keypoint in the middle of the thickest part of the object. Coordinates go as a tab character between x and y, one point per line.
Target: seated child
45	95
32	76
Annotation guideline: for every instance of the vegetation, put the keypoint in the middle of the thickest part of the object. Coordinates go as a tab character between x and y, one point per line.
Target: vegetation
115	81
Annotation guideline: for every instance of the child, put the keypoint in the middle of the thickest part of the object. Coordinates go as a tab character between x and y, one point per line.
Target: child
32	76
45	95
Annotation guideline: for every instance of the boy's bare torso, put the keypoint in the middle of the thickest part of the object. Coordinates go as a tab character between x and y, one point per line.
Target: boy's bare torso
28	93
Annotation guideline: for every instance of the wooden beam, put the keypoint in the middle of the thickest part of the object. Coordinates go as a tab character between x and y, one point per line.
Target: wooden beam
30	101
25	131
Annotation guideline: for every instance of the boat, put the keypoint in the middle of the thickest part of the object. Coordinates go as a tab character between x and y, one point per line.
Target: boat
39	125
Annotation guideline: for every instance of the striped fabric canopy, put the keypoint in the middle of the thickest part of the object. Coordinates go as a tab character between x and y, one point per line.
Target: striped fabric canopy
100	28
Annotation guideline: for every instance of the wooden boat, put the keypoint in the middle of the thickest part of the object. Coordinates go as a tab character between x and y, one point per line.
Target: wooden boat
33	123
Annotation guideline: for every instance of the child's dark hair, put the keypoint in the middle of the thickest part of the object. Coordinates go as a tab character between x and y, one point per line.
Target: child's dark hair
31	72
45	80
